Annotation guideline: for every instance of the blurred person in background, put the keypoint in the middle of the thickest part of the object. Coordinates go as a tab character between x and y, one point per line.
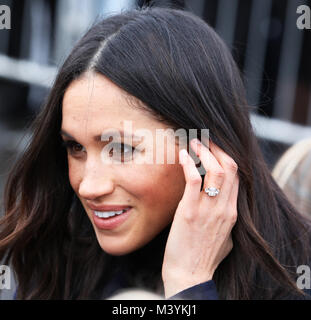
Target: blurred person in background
232	235
293	174
135	294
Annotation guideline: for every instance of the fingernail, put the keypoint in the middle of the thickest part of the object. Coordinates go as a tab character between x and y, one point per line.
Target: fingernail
183	156
197	141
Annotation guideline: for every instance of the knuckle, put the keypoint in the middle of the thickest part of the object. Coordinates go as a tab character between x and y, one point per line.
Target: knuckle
233	218
232	165
194	180
189	216
219	216
219	173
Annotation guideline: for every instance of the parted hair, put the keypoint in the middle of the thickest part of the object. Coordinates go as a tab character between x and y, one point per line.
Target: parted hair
178	69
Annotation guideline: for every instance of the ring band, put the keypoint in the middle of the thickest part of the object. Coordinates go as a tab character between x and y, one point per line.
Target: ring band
212	192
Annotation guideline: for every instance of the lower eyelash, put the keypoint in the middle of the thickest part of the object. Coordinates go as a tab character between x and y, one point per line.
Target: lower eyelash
69	145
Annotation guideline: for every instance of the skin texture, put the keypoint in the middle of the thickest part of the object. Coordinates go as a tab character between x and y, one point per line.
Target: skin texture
91	105
200	236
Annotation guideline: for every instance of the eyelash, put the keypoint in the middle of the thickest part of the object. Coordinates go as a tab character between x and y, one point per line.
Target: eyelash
70	144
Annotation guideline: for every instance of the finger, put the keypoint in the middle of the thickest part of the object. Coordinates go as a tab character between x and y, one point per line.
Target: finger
229	166
231	187
233	199
233	203
214	172
192	177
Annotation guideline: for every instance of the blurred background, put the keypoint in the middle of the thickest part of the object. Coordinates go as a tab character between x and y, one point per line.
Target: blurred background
272	53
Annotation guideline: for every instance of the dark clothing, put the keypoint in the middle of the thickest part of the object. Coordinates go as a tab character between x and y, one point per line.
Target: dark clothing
203	291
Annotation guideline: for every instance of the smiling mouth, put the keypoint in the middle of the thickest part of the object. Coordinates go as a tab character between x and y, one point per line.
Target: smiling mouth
108	214
108	220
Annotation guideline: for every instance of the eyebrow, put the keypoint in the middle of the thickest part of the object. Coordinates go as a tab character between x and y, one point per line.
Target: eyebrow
105	135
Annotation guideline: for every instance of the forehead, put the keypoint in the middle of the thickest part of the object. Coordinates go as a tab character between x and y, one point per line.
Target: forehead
92	104
94	97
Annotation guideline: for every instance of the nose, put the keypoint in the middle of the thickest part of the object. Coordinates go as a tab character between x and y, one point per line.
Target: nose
97	181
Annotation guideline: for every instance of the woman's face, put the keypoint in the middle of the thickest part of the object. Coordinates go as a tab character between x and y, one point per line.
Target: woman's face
91	106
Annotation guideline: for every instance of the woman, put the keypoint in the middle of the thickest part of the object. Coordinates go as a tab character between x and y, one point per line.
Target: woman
157	68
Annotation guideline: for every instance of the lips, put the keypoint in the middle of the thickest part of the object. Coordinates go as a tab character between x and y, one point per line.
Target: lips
111	222
103	208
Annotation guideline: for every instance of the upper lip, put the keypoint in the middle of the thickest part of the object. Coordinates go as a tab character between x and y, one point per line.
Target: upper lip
108	207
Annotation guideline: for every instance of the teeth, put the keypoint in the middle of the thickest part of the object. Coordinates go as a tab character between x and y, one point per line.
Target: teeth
108	214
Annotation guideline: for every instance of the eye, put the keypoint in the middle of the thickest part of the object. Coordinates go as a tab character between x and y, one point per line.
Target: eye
121	151
73	147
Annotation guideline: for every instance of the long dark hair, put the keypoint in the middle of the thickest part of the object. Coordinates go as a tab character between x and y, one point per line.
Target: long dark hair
182	72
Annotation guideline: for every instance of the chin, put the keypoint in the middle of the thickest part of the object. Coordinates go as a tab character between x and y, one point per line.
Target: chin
116	252
116	249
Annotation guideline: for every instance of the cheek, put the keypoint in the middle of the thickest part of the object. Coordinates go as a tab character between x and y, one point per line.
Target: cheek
158	187
171	185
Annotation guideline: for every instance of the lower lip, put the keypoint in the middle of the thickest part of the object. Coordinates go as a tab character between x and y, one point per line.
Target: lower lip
112	222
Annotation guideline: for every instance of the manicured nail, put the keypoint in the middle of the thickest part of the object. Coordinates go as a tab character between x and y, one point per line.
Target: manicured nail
196	146
196	141
183	156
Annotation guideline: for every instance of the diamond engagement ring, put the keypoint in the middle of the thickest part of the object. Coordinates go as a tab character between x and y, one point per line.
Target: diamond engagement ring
212	192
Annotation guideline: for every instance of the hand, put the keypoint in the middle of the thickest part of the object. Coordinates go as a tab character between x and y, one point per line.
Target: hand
200	235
